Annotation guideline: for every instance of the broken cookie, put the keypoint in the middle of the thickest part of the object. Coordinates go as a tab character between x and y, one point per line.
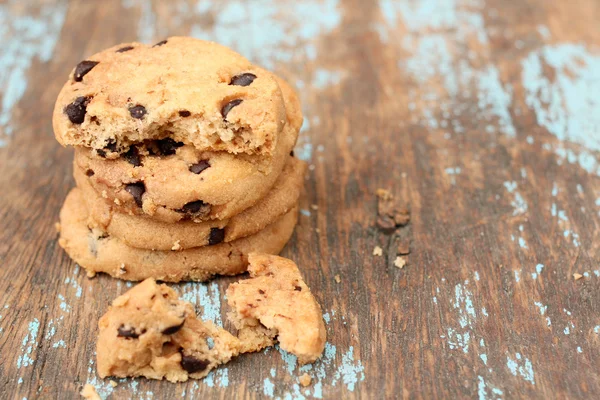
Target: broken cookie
275	303
149	332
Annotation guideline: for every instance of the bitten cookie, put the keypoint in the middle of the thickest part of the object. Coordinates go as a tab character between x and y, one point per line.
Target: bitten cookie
196	92
172	182
147	233
276	303
149	332
96	251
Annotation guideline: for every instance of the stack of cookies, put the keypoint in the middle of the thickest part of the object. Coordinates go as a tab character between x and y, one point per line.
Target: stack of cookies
183	161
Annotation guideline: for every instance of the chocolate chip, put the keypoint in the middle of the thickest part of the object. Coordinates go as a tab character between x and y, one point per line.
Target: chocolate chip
192	364
261	291
227	107
243	79
194	207
292	153
128	333
217	235
83	68
160	43
133	156
111	145
184	113
124	49
168	146
199	167
136	190
77	109
173	329
89	173
101	153
137	112
297	288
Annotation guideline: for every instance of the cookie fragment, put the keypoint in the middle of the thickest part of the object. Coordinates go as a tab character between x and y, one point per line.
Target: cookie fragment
168	348
389	215
269	306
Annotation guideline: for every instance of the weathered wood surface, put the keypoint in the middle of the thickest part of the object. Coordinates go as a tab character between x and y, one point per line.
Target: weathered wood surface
482	115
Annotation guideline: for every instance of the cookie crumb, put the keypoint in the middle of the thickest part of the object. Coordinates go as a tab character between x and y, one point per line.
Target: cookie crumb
112	383
311	167
577	276
57	227
399	262
89	392
404	247
91	274
122	270
337	278
314	207
317	230
118	202
377	251
176	246
305	379
389	215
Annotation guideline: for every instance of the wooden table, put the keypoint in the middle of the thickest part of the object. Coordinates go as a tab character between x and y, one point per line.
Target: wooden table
482	116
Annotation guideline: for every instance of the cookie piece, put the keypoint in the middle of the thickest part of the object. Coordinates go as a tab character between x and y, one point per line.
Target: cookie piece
149	332
275	303
173	183
147	233
193	91
96	251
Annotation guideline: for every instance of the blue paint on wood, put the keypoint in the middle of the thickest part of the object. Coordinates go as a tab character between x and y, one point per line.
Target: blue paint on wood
25	38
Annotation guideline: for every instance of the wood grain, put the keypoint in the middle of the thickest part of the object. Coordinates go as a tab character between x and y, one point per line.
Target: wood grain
481	116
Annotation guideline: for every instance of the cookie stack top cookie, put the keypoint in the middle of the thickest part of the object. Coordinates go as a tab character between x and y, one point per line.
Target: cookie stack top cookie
195	92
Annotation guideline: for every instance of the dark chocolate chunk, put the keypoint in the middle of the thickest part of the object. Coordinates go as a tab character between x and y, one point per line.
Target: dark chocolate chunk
162	42
83	68
217	235
133	156
89	173
297	288
101	153
243	79
137	112
111	146
128	333
192	364
199	167
227	107
173	329
124	49
167	147
193	207
136	190
261	291
292	153
184	113
77	109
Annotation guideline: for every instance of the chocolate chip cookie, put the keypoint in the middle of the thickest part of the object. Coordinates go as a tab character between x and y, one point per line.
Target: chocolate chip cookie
276	303
149	332
171	181
192	91
96	251
147	233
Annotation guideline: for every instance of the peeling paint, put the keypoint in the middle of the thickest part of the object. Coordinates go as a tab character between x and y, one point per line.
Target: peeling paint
25	37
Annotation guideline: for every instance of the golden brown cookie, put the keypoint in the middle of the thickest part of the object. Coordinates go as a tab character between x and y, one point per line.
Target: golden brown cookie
149	332
146	233
276	303
192	91
96	251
